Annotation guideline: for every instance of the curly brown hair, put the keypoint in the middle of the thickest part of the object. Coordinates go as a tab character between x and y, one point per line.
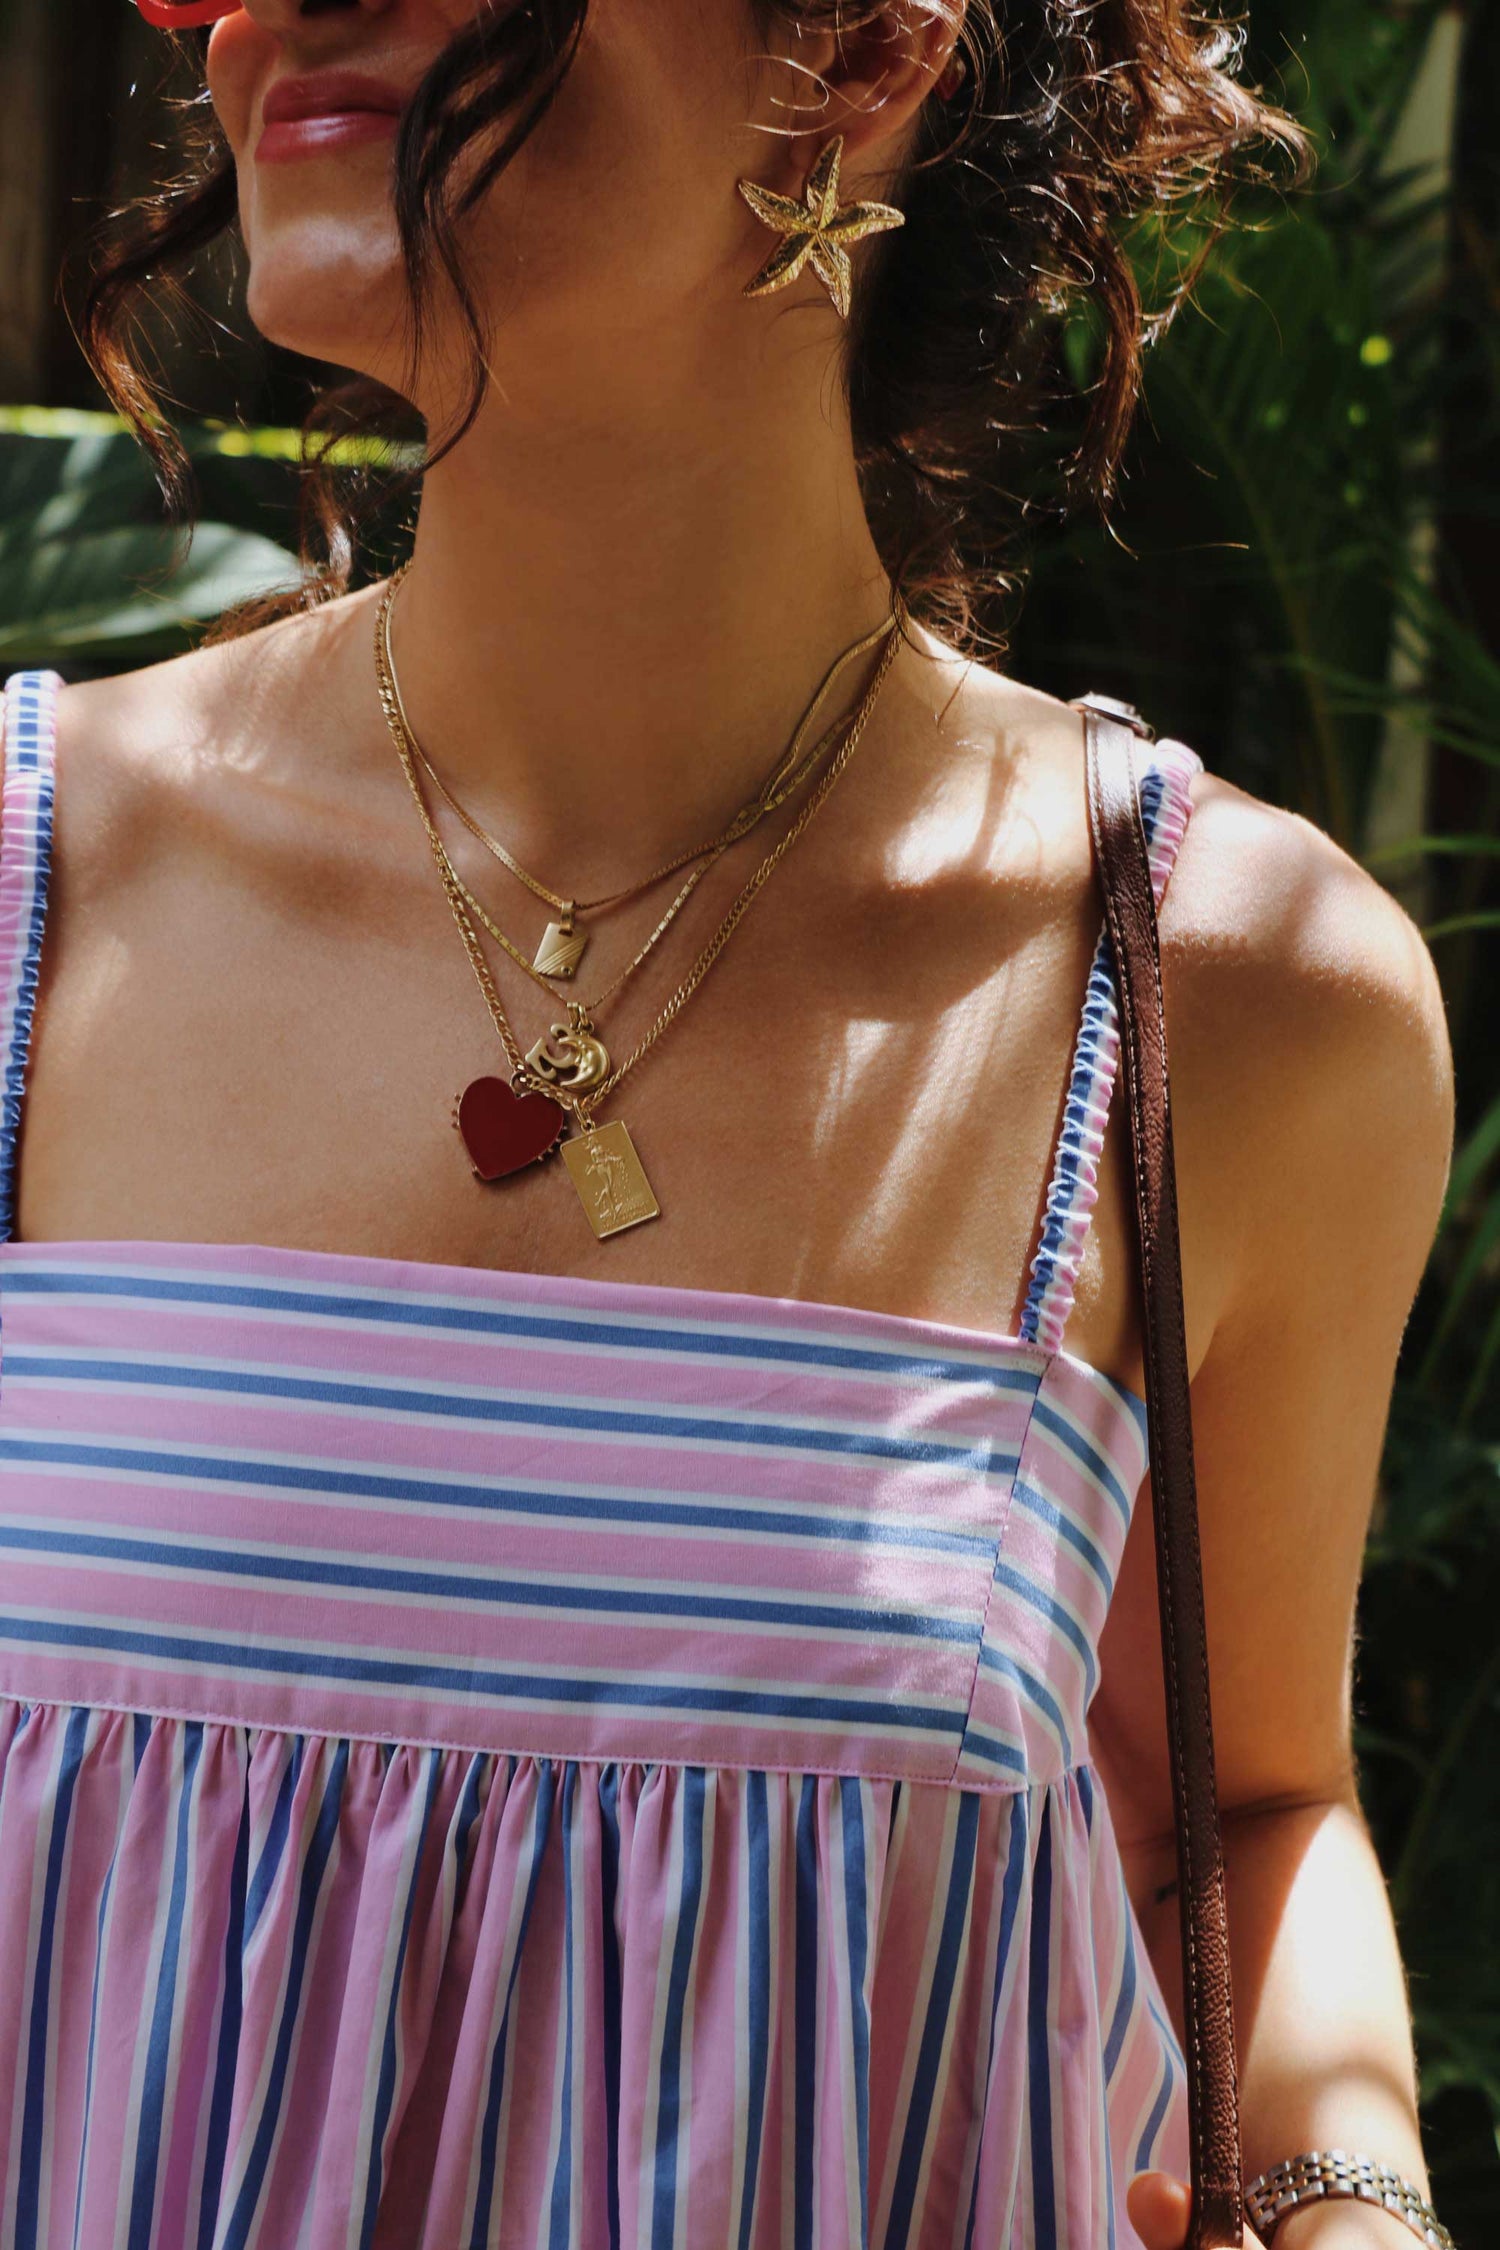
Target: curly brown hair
1071	120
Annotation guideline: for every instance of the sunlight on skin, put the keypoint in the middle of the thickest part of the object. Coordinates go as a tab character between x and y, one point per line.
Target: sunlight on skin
958	1064
678	475
629	389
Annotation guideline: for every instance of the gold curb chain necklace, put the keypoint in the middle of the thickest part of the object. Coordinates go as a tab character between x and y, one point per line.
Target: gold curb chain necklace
563	944
567	1074
569	1052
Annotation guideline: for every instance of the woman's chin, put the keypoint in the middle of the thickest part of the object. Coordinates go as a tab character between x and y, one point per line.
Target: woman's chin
325	313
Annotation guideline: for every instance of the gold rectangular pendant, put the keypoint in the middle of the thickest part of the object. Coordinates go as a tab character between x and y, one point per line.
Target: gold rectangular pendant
560	951
612	1186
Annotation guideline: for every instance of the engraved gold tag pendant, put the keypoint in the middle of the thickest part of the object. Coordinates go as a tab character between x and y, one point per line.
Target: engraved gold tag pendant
561	950
611	1182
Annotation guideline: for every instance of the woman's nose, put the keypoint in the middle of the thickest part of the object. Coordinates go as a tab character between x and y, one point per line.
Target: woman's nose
286	17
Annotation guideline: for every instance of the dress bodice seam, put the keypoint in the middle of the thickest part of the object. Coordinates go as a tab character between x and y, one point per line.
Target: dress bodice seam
196	1715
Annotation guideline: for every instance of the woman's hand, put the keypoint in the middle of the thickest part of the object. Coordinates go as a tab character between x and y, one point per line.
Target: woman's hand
1158	2206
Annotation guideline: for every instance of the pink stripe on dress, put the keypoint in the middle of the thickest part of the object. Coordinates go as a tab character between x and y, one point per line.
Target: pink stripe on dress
489	1760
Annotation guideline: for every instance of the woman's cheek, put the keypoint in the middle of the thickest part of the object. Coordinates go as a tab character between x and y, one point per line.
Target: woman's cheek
237	59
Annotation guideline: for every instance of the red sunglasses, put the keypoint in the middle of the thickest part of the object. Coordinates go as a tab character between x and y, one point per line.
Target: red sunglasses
184	15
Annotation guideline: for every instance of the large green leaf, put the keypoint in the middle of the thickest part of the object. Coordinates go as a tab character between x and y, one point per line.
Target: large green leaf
89	573
116	592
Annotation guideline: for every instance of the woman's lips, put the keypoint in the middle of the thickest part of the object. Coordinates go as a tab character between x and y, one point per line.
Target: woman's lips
313	136
324	111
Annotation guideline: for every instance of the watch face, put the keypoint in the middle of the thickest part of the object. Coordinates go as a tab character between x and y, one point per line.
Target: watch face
183	15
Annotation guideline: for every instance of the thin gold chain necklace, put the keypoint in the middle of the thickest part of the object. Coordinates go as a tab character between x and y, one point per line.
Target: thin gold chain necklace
395	709
590	1008
506	1128
563	943
791	772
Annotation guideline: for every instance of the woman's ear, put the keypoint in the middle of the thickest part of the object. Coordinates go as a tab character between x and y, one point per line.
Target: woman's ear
867	80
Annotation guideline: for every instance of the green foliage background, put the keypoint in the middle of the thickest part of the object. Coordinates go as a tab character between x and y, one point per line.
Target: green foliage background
1291	584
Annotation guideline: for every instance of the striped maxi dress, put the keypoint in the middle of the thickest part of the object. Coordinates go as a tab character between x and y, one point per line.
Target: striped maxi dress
498	1761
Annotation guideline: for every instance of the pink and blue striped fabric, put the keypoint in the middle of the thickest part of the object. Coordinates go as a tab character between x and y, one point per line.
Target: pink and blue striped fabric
1165	775
498	1760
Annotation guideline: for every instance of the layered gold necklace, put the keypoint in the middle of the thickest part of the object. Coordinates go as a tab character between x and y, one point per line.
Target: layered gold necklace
563	944
566	1074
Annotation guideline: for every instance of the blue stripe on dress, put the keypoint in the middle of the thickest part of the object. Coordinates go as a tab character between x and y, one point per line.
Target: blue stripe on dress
976	1457
221	2096
994	1753
468	1679
758	1991
935	2023
1124	2008
560	2201
805	2016
171	1555
1012	1888
153	2110
610	1980
1096	1462
487	1498
621	1336
1106	2137
1145	2155
385	2090
1039	2041
273	1848
100	1925
43	1953
669	2110
237	2234
489	2130
470	1806
1056	1612
1035	1691
1046	1511
856	1913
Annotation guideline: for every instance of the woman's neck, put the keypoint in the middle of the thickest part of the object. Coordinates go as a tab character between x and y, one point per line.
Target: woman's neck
616	616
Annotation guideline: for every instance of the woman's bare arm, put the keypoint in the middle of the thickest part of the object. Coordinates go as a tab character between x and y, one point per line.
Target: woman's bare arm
1305	1011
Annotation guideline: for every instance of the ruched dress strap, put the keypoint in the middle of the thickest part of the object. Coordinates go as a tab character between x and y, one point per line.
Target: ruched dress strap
1165	773
25	866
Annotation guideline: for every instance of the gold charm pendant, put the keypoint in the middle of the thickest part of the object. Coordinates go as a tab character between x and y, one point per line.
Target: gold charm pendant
610	1179
561	949
571	1057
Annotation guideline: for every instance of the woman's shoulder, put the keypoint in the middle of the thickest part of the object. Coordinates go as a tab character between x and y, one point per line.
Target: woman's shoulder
1305	1013
1262	902
1267	921
141	750
1275	930
1312	1069
204	692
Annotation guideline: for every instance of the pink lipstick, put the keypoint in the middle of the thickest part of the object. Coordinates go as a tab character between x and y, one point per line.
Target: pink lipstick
324	111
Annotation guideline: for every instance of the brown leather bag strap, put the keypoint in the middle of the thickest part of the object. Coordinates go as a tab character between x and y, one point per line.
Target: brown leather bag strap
1130	909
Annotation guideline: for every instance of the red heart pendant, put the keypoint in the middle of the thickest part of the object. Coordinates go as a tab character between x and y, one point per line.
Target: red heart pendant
504	1131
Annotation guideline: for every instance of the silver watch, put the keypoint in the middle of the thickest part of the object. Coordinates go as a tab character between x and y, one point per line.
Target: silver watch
1323	2173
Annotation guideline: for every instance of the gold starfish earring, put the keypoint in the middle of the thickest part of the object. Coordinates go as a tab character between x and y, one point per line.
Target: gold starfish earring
816	231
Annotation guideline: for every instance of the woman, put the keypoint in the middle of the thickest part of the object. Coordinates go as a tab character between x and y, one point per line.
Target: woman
524	1733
